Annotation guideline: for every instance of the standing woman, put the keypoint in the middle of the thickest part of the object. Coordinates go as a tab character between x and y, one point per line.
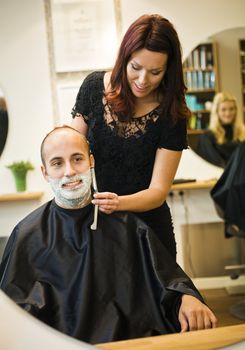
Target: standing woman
135	118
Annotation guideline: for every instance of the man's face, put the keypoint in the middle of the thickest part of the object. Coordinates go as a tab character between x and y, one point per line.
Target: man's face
67	168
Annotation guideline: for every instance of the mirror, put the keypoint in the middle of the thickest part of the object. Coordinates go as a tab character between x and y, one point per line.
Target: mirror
215	65
3	122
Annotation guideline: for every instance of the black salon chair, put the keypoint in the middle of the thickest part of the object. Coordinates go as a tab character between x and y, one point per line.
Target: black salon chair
229	198
3	242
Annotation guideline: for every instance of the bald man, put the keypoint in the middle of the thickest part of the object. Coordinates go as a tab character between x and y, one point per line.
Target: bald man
116	282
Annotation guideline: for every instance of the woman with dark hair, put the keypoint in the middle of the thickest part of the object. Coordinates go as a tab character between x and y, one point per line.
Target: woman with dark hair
135	118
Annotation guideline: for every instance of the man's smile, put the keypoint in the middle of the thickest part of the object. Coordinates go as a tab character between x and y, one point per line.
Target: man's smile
72	185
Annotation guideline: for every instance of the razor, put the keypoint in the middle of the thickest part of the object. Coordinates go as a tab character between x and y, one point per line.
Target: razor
96	207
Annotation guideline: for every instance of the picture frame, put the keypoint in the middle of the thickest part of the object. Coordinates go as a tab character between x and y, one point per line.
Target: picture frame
84	34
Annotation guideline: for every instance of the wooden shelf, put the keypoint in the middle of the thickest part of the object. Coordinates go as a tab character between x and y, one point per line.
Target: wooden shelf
199	91
201	78
197	185
200	111
20	196
199	69
195	131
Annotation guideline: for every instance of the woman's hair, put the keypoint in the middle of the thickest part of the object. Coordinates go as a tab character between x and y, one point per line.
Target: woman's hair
3	105
215	123
154	33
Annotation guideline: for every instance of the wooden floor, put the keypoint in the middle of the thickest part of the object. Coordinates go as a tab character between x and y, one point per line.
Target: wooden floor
219	301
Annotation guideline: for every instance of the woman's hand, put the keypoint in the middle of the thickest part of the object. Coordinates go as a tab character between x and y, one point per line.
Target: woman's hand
194	315
108	202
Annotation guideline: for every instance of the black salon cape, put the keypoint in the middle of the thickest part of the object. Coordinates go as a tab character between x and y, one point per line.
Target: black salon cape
229	193
115	283
213	152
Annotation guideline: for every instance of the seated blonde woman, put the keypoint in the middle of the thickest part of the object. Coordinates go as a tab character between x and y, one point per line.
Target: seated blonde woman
226	130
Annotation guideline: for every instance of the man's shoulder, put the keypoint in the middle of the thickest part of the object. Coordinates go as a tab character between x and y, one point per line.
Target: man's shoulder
29	226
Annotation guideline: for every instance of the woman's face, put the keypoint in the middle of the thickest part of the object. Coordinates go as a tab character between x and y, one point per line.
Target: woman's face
145	71
227	112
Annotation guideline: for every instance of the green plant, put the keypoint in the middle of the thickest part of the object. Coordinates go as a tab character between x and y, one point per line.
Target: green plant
20	166
19	170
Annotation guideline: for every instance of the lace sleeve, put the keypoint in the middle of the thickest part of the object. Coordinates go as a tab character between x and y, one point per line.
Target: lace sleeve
83	105
174	137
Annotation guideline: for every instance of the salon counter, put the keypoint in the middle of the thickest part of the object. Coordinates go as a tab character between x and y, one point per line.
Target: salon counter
22	196
202	250
198	340
195	185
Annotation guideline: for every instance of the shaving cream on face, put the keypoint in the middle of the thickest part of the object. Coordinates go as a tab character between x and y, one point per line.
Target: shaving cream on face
75	197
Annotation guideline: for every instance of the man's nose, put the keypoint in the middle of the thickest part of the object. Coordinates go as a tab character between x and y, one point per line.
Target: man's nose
69	169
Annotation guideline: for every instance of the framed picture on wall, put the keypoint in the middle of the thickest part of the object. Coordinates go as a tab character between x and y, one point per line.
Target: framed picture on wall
84	34
66	94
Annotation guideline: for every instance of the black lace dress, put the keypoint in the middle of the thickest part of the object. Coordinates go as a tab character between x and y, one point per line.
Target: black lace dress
125	151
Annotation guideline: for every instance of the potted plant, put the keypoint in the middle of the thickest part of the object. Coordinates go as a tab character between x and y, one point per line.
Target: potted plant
19	170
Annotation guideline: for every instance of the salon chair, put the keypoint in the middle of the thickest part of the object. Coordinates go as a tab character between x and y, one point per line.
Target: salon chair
229	199
3	242
237	310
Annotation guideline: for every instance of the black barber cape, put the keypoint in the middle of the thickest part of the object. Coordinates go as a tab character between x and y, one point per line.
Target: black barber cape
117	282
228	194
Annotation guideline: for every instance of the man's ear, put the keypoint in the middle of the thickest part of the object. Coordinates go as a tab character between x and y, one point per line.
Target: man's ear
92	161
44	172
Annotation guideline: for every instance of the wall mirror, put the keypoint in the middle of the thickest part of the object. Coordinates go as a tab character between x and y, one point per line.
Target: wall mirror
3	121
216	64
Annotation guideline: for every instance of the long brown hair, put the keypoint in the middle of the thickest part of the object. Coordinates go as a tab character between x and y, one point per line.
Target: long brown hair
153	33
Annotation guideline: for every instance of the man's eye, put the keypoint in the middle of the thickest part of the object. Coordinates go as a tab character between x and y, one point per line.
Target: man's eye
56	164
78	159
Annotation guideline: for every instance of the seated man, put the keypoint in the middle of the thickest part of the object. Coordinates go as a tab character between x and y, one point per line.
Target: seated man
116	282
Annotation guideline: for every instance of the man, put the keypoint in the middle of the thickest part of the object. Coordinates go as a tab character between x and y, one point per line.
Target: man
114	283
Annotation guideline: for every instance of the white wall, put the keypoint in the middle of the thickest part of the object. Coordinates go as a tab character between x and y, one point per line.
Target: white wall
25	76
24	79
229	51
193	20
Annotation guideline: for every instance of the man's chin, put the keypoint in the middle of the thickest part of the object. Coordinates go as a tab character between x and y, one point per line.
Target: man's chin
72	196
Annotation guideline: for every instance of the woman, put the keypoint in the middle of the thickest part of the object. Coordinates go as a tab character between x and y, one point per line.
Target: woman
135	119
226	131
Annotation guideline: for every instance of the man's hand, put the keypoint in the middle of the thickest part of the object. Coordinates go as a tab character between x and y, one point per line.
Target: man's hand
194	315
108	202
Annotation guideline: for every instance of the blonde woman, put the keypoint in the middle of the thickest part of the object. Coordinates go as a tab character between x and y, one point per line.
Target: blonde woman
226	130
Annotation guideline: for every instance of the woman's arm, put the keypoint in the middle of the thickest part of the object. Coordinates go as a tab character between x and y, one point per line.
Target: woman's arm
79	124
165	167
